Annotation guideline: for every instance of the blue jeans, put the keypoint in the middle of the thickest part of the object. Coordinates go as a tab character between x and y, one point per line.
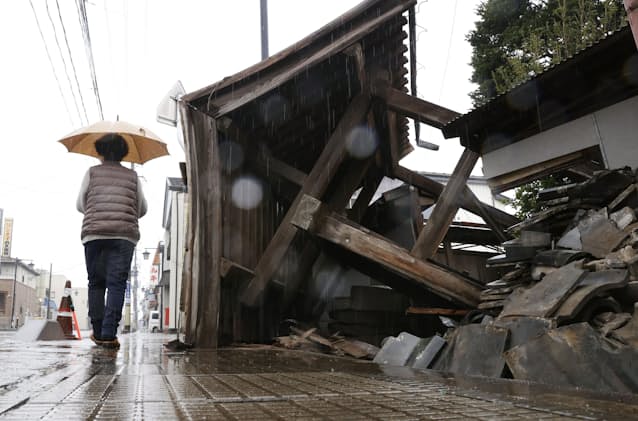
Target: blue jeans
108	263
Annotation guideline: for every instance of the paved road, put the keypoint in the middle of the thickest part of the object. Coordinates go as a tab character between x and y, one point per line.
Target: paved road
74	380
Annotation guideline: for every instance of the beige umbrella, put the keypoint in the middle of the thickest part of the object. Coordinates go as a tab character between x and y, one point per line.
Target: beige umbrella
143	145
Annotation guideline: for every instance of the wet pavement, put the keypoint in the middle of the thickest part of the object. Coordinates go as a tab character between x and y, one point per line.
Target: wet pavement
75	380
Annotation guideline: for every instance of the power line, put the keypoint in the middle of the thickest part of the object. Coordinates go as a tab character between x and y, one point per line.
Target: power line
449	47
75	73
66	70
84	25
68	112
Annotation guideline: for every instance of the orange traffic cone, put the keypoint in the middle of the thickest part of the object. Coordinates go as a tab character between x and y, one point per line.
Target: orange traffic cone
66	313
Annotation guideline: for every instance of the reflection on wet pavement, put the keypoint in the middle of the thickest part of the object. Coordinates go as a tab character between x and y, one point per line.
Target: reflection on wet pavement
75	380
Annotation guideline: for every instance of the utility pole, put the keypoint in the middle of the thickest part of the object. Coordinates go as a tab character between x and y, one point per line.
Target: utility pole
134	295
49	292
13	295
264	29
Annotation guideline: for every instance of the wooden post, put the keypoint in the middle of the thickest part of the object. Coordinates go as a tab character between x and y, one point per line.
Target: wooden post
204	231
446	207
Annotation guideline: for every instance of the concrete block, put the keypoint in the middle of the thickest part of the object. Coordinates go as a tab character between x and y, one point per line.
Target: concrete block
40	330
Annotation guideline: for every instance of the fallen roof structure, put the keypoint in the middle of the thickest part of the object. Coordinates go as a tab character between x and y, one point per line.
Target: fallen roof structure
274	155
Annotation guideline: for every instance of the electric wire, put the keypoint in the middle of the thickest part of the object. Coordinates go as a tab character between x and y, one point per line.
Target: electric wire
57	80
75	73
108	37
449	47
66	70
88	47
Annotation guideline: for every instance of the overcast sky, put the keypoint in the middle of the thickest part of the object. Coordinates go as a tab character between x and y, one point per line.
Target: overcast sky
141	48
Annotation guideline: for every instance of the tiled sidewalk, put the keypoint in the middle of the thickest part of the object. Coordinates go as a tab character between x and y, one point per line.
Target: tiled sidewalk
74	380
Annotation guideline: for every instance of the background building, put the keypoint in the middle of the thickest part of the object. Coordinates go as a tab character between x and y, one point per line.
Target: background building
18	297
168	289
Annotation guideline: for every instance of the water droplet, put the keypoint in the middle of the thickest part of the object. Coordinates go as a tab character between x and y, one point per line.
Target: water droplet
362	142
247	192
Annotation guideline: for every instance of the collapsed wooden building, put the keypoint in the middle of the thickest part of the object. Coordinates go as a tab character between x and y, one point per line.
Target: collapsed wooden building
275	155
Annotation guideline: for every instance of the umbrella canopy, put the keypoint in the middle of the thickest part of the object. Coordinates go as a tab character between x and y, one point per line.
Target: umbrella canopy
143	145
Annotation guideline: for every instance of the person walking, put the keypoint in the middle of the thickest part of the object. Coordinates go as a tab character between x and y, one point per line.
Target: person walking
112	201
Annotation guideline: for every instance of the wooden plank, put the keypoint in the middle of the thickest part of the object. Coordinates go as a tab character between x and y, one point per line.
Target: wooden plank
357	239
437	311
489	219
187	271
315	184
205	215
446	207
413	107
230	102
347	19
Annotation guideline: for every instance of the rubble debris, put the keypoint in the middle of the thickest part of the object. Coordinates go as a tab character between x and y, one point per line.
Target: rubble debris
524	329
437	311
608	322
592	285
310	340
567	311
426	351
410	350
557	258
577	356
599	235
397	351
474	350
623	217
542	299
369	313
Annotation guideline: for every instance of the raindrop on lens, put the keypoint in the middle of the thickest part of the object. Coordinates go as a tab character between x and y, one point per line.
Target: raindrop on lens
247	193
231	155
362	142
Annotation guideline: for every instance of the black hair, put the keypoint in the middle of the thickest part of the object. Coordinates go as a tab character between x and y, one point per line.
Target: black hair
112	147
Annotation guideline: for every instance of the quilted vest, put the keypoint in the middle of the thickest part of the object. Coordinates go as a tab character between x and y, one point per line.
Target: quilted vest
111	202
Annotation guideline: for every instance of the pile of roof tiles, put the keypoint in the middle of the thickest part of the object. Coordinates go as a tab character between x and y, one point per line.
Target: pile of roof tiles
565	310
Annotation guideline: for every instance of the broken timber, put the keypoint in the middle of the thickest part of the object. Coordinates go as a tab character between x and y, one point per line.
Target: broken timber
446	207
310	215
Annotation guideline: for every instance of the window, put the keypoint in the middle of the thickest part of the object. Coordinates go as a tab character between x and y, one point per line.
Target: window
3	302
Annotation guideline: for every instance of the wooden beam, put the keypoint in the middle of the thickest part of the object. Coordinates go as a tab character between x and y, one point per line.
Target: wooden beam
337	201
446	207
469	200
413	107
315	184
314	217
437	311
230	102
